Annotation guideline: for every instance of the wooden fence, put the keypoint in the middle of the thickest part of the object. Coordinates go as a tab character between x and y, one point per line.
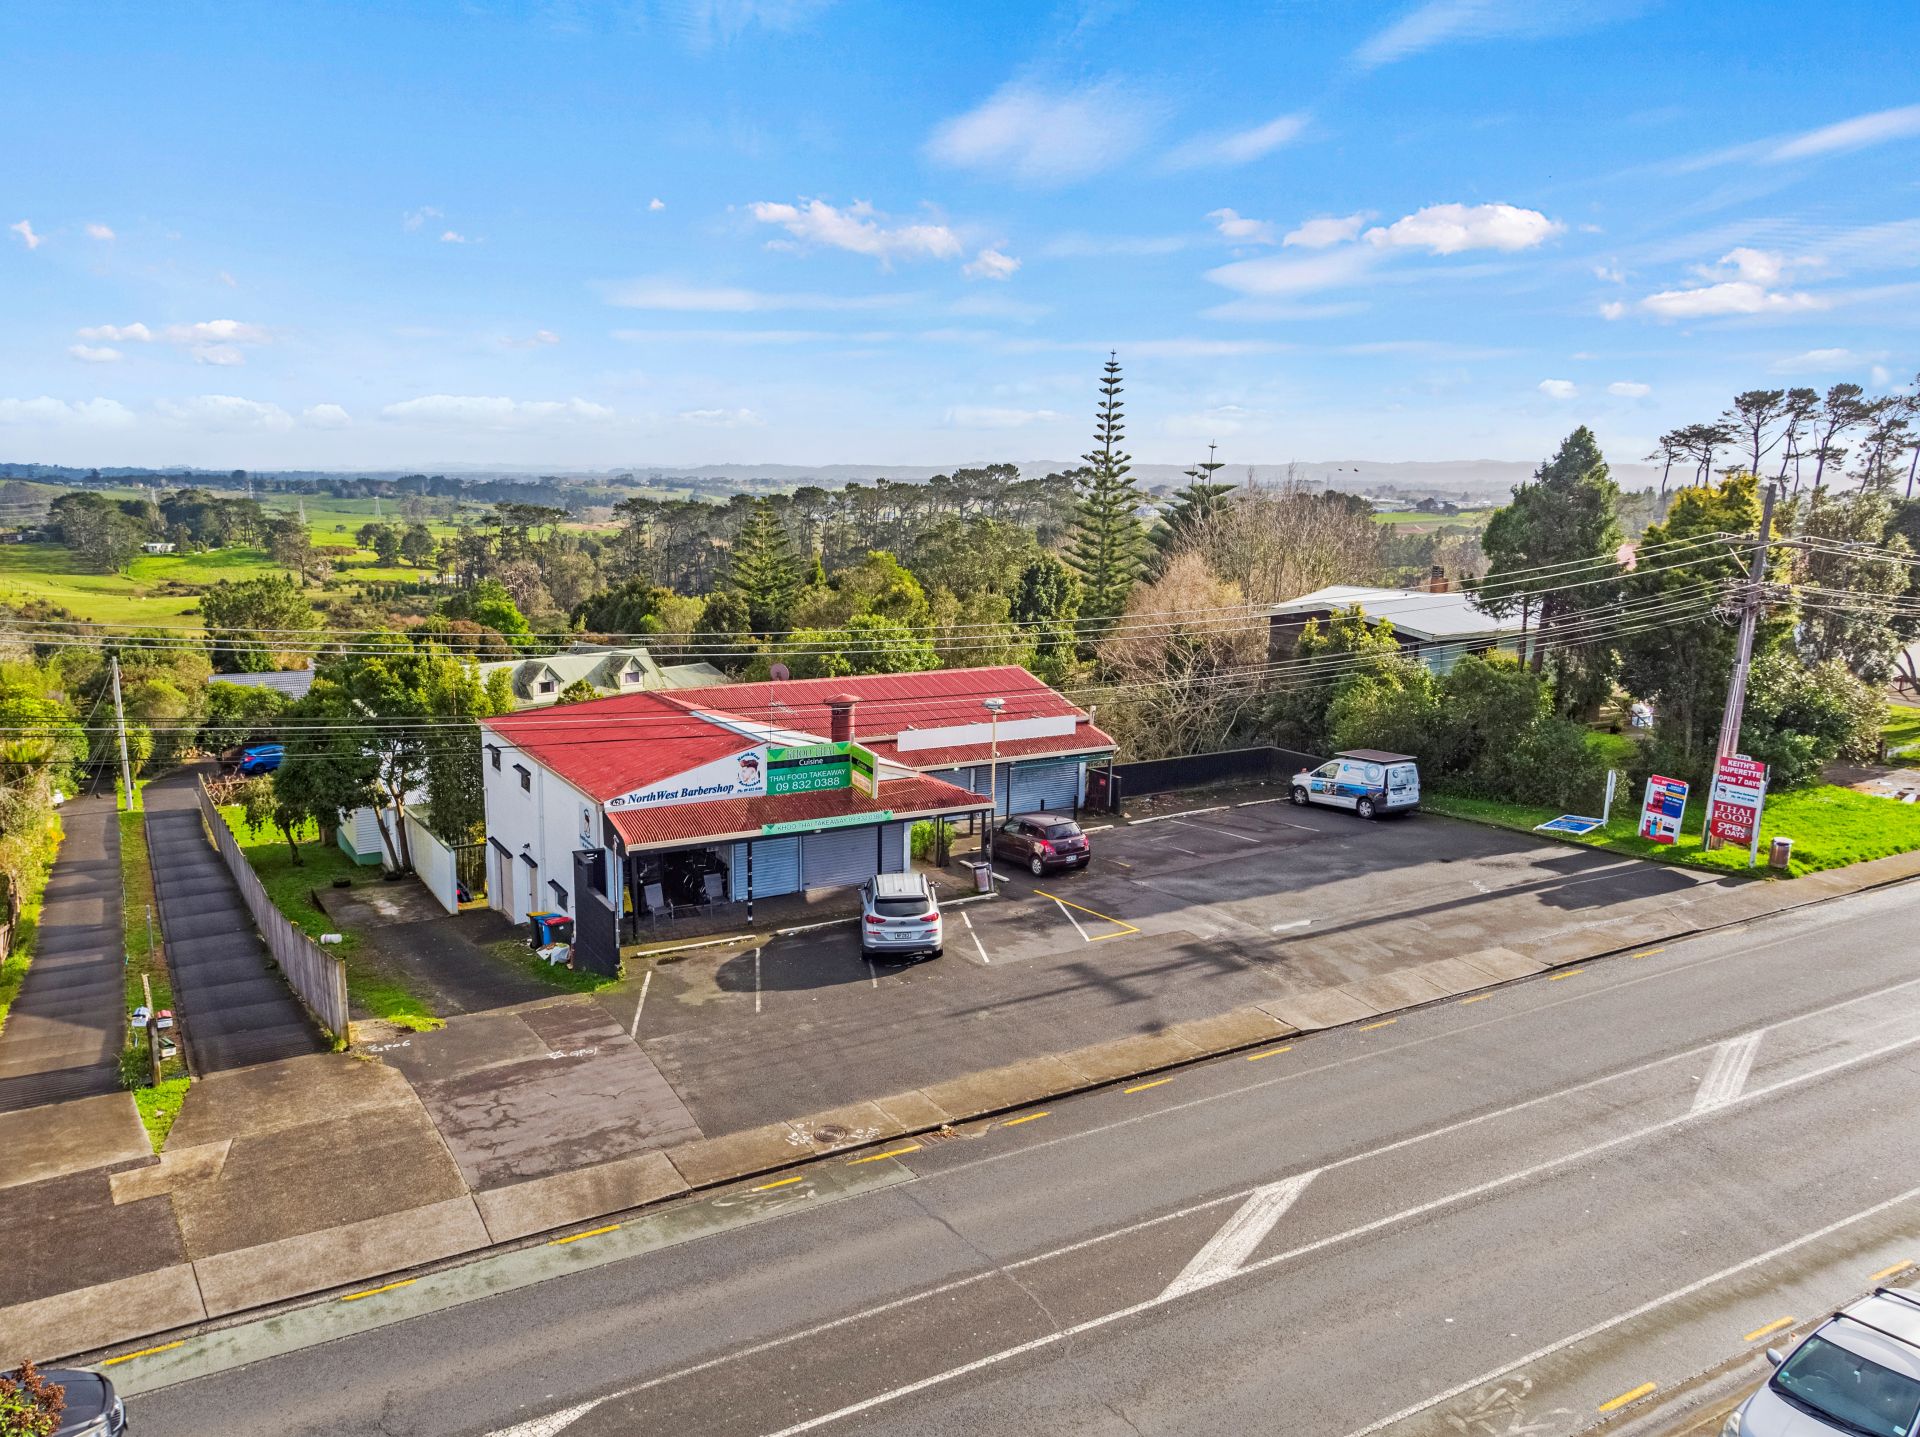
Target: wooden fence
317	978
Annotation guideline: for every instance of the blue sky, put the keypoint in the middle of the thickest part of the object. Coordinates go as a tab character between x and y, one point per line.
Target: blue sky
690	231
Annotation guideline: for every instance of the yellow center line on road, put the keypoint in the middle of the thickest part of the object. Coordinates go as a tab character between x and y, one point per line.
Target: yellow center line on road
1648	953
143	1352
1383	1023
1613	1403
1768	1330
1120	923
590	1232
1029	1117
376	1291
889	1153
1477	998
1568	973
1890	1271
1142	1087
1256	1057
777	1183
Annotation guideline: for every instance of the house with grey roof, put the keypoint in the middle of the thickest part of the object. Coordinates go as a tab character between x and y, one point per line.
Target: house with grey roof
1435	625
611	670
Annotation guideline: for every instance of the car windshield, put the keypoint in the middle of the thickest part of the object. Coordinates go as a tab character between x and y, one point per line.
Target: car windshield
1059	830
900	907
1848	1390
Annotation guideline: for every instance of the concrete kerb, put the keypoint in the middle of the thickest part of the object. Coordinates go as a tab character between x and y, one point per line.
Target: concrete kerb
749	938
715	1163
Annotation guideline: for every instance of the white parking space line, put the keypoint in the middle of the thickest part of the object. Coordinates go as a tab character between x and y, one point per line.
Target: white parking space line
1174	817
974	933
1297	923
756	980
873	974
1067	914
1243	837
641	1006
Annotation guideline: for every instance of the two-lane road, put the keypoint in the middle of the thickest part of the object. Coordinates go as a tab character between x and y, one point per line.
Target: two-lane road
1490	1216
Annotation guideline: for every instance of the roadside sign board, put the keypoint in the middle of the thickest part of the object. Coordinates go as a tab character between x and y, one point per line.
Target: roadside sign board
1572	823
1739	793
809	825
1664	807
808	768
864	769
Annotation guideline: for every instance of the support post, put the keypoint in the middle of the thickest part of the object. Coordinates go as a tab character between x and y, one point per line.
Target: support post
120	721
1743	649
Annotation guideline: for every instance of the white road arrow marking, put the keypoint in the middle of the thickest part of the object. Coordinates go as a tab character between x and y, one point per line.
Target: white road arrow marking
1727	1074
548	1426
1221	1258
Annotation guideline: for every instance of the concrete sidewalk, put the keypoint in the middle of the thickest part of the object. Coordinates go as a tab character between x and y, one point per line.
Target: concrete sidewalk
328	1171
63	1036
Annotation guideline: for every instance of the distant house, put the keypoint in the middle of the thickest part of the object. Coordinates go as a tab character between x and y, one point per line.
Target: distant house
294	683
158	546
1435	625
609	669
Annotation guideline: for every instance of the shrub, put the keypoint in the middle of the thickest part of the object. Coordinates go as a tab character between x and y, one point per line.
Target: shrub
1799	718
921	837
30	1406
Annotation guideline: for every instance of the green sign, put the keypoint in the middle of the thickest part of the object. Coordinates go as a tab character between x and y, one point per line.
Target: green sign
866	769
809	768
808	825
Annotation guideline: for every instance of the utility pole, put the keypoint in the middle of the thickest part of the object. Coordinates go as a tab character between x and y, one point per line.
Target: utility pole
120	721
1743	649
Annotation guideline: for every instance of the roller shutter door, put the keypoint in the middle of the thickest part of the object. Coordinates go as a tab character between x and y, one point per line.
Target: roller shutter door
893	848
1045	788
839	857
776	868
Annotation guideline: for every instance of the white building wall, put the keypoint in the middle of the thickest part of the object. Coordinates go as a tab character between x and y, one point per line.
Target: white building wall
433	864
546	821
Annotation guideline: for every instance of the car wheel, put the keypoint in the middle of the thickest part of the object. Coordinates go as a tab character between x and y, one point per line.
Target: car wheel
1299	795
938	953
1364	808
1037	868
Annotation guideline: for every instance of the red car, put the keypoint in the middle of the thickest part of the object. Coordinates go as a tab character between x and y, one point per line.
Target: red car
1042	842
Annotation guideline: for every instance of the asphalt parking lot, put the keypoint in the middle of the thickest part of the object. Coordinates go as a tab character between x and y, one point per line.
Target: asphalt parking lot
1176	918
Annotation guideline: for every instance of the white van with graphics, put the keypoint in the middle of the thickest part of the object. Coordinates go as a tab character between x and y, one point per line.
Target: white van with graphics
1365	780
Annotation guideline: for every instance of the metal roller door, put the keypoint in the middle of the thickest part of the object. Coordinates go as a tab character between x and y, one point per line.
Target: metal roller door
893	848
1045	788
839	857
776	868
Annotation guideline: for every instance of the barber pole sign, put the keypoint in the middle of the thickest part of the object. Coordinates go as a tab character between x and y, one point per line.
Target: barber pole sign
1733	809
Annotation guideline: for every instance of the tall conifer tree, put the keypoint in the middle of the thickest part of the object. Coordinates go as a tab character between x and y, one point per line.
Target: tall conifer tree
762	570
1109	543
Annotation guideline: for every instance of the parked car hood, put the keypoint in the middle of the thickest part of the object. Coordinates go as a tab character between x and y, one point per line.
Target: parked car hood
1769	1415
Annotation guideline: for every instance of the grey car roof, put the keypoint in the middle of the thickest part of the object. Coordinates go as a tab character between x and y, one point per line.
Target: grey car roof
898	885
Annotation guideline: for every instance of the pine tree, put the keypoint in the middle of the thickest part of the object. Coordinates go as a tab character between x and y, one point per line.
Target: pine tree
762	571
1108	545
1202	498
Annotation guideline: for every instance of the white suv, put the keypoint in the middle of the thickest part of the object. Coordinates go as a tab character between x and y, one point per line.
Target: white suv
899	915
1858	1374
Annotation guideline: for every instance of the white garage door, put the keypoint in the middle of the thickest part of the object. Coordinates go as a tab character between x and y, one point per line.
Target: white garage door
840	857
1045	788
776	868
894	852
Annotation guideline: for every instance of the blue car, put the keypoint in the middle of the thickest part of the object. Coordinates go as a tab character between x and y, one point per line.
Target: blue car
261	758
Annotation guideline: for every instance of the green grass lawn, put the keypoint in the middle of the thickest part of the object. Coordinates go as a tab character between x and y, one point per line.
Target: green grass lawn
13	968
1830	827
159	1107
1902	731
514	951
1413	518
371	988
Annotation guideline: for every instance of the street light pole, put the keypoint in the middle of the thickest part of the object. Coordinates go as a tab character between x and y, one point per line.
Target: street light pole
1730	720
993	707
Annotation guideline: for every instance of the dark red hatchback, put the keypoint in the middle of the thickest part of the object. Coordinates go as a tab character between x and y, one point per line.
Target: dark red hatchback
1042	842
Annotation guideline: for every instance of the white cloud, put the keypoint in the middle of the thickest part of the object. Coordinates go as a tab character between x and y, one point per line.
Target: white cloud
1880	375
452	237
991	264
99	232
1238	147
24	228
228	280
1629	389
1854	134
719	299
223	411
119	333
217	331
1278	275
976	416
1821	361
89	413
1042	137
722	418
656	204
858	228
1610	273
1559	388
1328	230
1077	245
1240	229
1760	266
414	219
1612	309
491	411
539	339
94	354
1736	296
224	354
1439	22
1449	229
326	416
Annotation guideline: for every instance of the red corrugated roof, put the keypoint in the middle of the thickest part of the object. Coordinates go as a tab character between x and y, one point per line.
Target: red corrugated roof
1085	739
888	702
743	817
612	746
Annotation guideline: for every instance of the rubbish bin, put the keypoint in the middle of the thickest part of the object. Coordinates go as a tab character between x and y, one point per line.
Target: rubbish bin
1780	852
982	876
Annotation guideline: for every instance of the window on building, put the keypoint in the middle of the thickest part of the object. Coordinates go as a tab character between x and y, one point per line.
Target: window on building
493	753
526	776
546	686
630	676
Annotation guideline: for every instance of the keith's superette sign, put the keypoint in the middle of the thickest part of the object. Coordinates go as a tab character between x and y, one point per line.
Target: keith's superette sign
1739	793
1665	806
